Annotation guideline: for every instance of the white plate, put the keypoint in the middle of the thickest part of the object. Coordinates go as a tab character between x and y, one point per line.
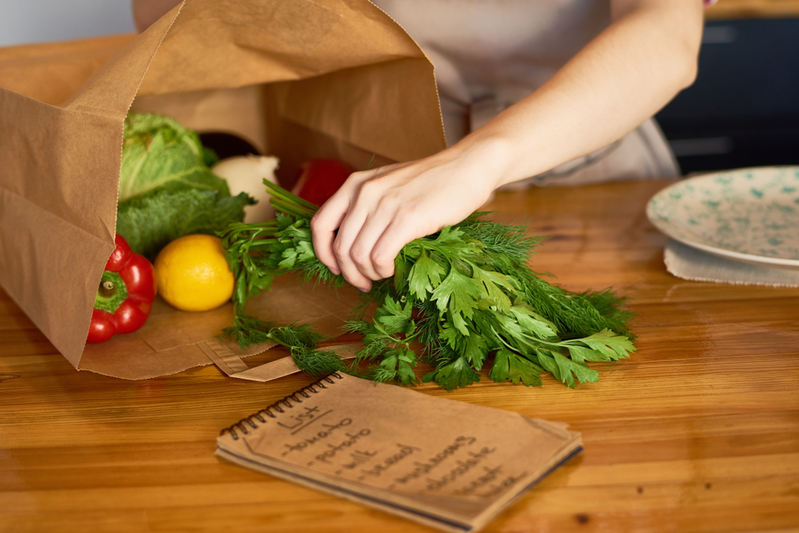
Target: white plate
749	214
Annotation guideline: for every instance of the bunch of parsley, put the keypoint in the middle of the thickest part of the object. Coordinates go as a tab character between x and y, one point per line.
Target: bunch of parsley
465	294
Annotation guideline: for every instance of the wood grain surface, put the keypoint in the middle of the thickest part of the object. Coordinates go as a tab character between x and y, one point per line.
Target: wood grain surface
698	431
736	9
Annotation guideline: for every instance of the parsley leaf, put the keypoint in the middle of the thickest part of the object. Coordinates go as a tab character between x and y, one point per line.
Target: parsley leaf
514	368
425	276
456	374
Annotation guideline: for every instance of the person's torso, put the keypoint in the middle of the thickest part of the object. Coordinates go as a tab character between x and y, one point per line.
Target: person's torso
504	47
489	54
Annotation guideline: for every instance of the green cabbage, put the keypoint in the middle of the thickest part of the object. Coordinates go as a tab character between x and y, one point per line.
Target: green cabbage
166	189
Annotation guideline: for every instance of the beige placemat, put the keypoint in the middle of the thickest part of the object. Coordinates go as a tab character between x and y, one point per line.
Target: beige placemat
692	264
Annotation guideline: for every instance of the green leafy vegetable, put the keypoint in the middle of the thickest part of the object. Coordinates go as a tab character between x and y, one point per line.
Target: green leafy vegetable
466	294
157	152
299	339
166	189
152	221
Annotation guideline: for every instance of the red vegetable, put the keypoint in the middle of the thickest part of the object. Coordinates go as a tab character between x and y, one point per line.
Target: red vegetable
125	296
320	178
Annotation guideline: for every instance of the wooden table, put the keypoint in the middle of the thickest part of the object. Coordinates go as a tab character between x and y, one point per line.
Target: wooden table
737	9
698	431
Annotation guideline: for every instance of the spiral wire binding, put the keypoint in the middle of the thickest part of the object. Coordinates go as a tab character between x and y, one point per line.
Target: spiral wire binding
288	402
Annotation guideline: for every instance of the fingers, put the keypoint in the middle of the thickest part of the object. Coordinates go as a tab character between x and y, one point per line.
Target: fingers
342	246
323	230
347	228
366	252
361	228
338	225
359	252
366	246
391	242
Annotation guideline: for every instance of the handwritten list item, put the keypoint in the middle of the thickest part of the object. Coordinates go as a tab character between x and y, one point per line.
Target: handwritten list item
448	464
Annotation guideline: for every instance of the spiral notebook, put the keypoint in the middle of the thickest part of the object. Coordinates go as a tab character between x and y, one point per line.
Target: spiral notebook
448	464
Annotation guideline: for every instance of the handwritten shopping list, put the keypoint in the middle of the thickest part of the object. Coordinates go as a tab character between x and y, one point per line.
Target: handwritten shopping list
342	446
399	441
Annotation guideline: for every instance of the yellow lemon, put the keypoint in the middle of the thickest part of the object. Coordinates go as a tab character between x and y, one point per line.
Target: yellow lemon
193	274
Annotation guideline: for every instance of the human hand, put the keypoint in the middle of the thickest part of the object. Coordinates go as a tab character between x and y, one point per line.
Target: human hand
377	212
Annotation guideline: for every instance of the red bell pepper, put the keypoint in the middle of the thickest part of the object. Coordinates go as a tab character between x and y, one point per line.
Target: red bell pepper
320	178
125	296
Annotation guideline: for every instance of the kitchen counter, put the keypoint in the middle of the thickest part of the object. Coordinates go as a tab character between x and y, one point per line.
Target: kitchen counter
725	9
698	431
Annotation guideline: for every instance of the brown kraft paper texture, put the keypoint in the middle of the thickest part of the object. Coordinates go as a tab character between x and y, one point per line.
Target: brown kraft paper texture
297	78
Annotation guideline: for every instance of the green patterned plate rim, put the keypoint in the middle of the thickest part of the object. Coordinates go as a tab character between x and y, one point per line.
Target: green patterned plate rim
749	214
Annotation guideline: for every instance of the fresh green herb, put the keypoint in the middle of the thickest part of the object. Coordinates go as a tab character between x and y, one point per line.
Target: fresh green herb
465	294
303	344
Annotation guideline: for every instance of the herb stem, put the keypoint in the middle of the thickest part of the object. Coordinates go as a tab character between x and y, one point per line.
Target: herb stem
290	198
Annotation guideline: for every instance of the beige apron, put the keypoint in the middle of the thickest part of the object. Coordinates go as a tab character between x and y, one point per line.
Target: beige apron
490	54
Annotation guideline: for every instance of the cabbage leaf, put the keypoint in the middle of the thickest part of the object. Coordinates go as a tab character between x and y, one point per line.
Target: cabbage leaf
151	221
166	189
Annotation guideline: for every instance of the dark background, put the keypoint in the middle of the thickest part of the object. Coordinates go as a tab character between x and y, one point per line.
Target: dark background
743	108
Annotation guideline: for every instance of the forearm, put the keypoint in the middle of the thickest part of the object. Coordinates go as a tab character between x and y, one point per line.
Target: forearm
620	79
614	84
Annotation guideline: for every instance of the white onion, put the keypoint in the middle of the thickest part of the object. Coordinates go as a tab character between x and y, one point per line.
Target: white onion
245	173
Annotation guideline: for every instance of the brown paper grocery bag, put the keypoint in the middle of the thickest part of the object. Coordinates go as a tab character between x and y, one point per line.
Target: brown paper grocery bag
297	78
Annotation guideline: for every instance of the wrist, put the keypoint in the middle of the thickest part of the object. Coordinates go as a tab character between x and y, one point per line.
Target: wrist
489	157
